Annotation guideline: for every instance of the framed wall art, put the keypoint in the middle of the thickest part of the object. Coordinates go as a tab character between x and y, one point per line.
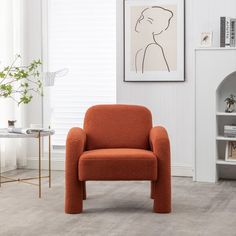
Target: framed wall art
153	40
230	151
206	39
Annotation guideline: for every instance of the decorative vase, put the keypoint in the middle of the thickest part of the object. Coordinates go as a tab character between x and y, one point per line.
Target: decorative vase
230	108
11	125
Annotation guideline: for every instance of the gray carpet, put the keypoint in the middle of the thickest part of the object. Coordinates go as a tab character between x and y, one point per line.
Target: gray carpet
119	208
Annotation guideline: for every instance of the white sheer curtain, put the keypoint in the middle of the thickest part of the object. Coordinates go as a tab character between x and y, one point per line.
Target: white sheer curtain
11	37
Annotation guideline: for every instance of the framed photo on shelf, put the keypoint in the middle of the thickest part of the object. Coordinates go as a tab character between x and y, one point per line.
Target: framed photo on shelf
206	39
153	40
230	151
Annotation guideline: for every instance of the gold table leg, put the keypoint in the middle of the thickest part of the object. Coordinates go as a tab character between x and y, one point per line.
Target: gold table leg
0	168
49	160
39	164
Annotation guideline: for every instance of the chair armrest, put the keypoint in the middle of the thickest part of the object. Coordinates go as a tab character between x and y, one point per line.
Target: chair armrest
75	144
160	145
159	142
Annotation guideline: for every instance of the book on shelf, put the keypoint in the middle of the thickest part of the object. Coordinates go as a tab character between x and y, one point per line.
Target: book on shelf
230	131
227	31
230	135
230	127
232	32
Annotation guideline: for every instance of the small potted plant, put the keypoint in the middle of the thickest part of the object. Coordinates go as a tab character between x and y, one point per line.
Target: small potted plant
230	103
19	82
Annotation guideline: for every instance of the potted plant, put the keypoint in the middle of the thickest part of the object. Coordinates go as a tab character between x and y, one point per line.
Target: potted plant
20	82
230	103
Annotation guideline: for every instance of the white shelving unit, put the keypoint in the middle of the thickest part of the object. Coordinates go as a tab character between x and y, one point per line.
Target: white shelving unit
215	79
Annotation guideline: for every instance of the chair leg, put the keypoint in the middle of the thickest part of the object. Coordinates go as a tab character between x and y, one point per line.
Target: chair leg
84	190
74	198
162	197
152	190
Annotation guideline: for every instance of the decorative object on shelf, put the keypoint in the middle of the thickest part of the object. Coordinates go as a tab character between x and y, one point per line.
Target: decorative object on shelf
230	151
206	39
18	82
227	31
11	123
230	103
153	40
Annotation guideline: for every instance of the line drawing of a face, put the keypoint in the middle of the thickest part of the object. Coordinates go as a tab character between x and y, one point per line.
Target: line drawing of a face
152	22
156	18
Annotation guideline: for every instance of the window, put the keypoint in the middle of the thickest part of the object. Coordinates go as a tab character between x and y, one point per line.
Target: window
81	37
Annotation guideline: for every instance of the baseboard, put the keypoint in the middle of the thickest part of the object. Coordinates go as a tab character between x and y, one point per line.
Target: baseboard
59	164
181	170
8	168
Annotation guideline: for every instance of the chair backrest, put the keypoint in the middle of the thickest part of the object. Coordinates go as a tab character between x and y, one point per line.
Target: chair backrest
117	126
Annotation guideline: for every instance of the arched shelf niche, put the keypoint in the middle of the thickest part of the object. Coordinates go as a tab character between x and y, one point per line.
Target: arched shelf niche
225	88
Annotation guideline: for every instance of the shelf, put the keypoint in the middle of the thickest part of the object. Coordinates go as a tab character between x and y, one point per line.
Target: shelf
226	114
214	48
223	162
222	138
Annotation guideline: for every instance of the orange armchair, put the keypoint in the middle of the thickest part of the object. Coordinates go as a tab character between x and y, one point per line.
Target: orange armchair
117	143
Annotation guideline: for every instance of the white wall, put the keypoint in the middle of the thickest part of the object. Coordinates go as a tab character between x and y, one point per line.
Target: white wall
172	104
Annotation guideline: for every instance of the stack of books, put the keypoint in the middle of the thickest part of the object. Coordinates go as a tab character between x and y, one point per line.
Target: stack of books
230	131
227	31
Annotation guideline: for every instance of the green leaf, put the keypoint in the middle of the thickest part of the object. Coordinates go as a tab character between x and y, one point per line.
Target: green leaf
2	74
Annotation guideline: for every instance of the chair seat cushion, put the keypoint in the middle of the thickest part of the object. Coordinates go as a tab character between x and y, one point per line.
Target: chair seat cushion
118	164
